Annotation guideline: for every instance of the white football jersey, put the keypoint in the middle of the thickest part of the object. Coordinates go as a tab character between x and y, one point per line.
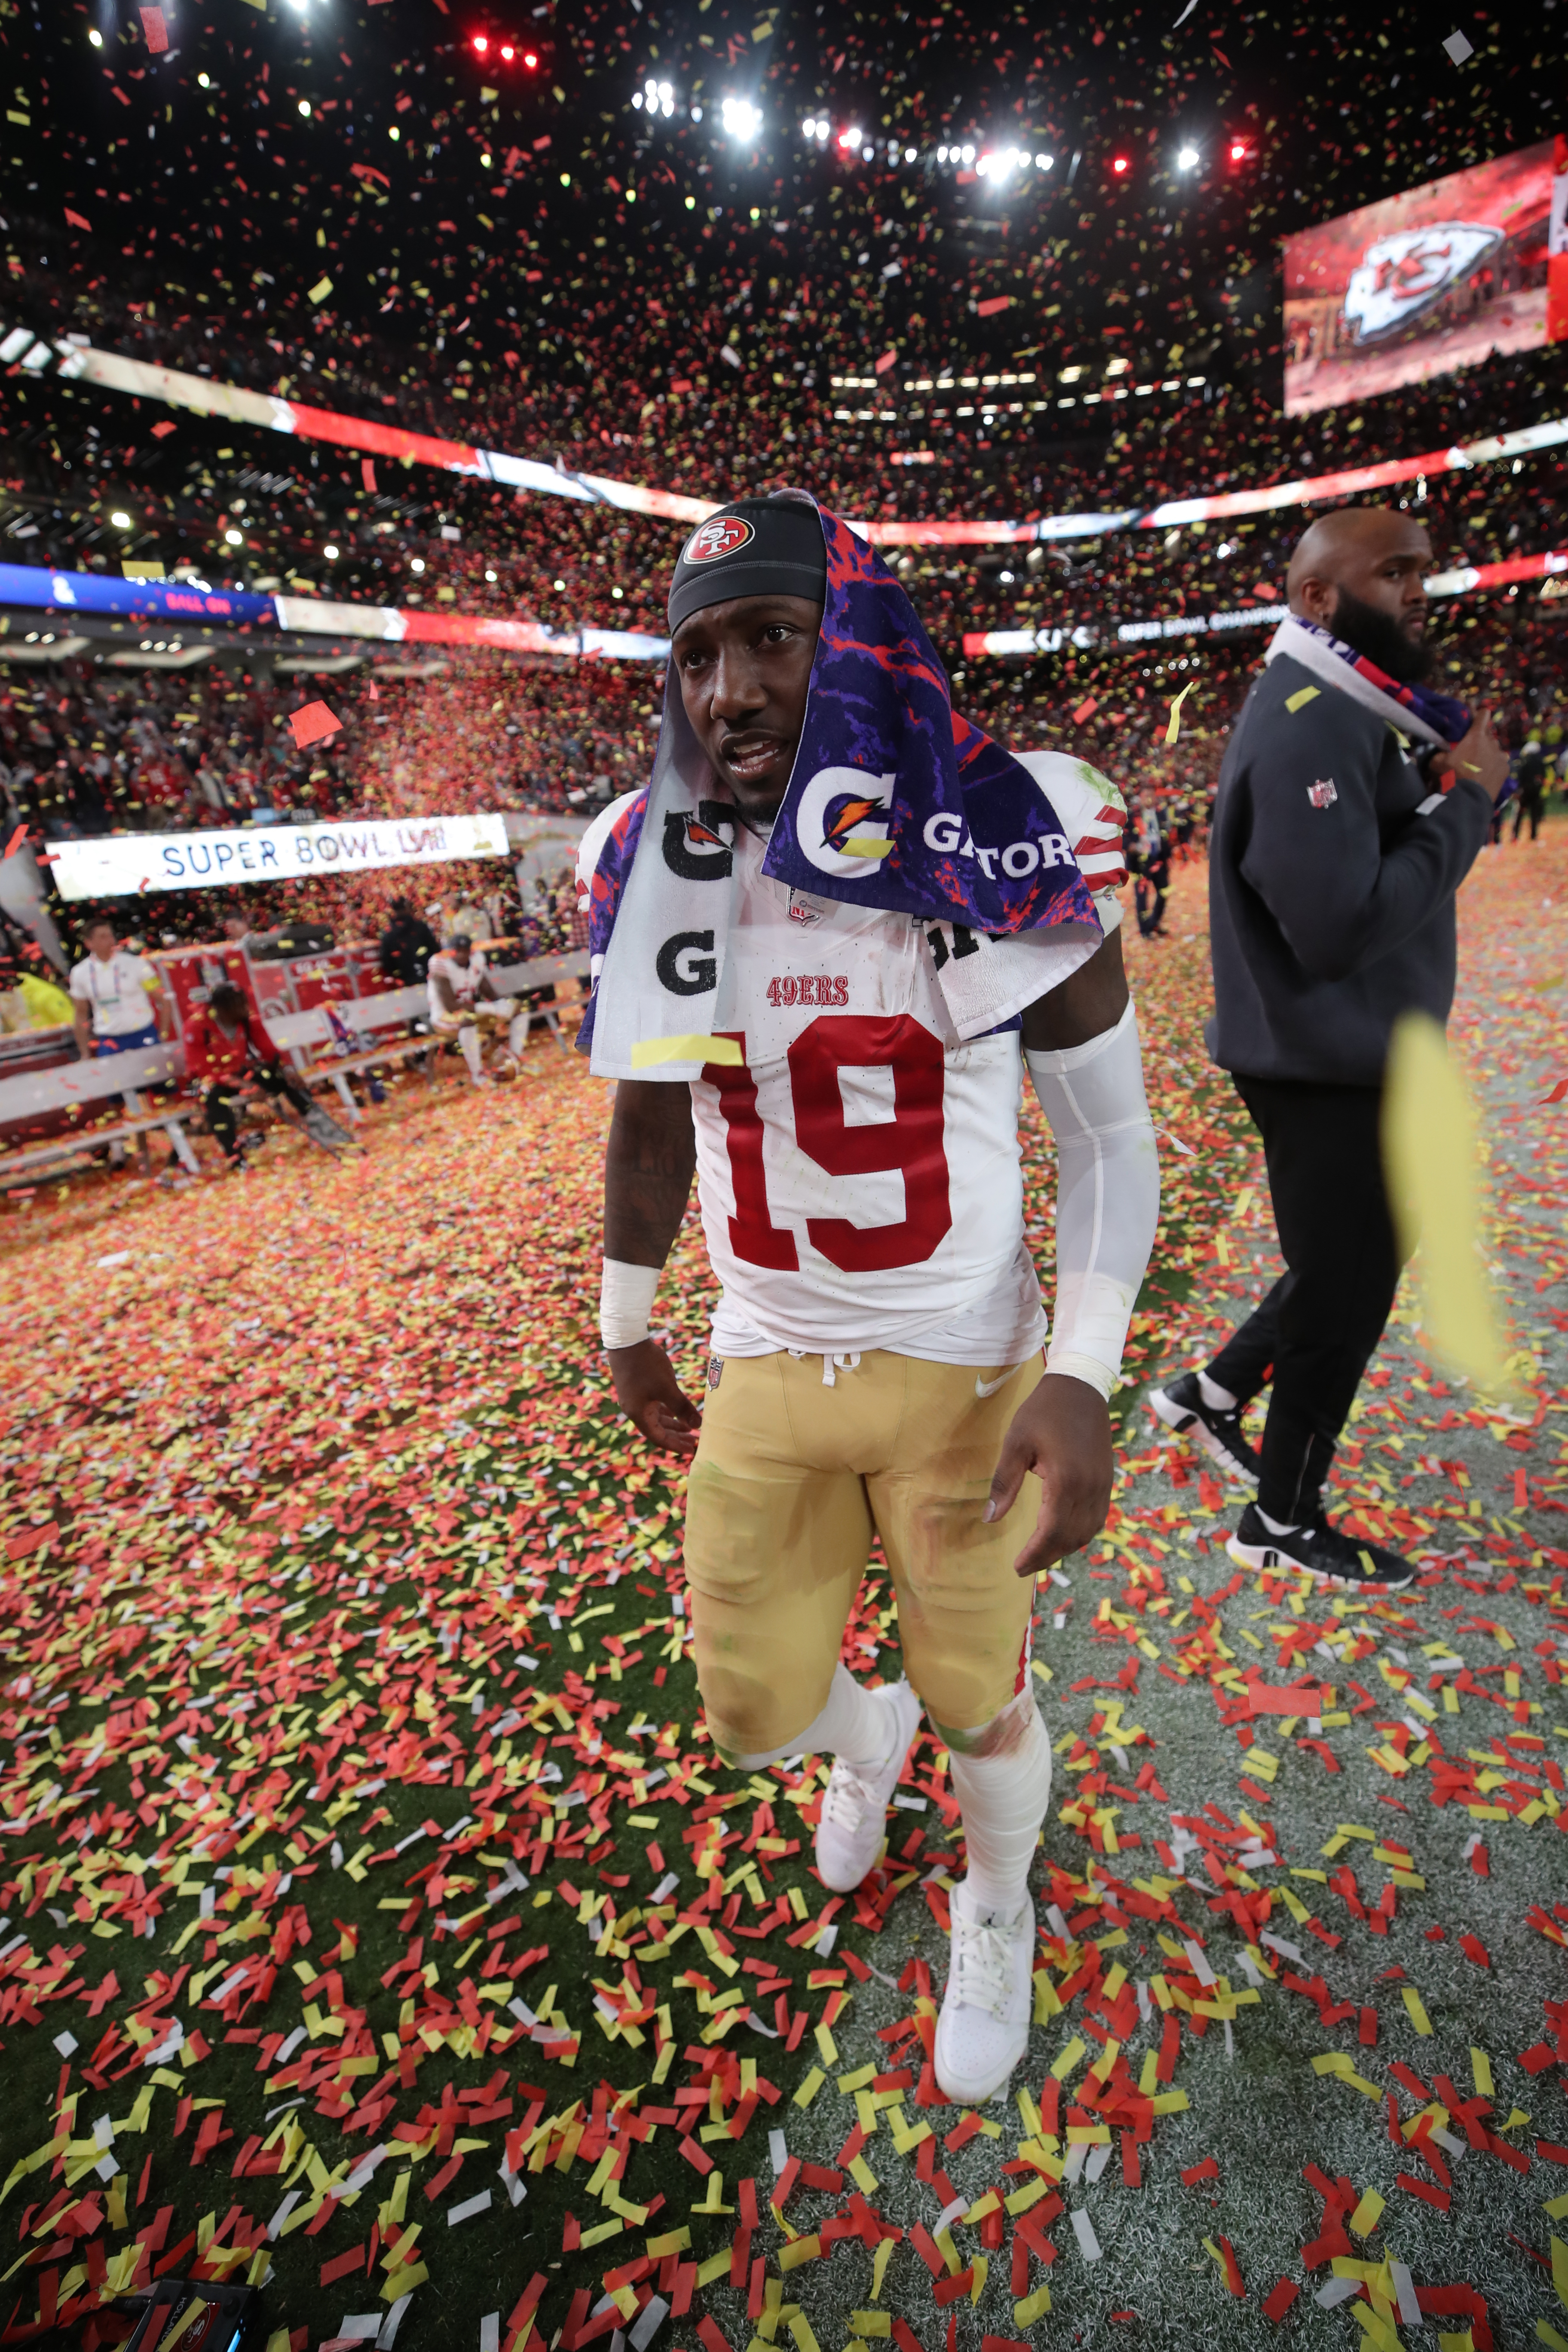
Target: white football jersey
859	1175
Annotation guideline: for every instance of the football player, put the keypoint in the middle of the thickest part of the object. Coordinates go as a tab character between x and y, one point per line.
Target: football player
833	938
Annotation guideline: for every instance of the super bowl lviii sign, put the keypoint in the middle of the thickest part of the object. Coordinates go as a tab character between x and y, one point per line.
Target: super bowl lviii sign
1429	281
126	864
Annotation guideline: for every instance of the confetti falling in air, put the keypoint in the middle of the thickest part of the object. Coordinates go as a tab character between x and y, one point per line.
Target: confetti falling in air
379	1922
314	724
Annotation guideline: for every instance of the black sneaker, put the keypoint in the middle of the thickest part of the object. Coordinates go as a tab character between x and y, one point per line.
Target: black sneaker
1326	1554
1182	1407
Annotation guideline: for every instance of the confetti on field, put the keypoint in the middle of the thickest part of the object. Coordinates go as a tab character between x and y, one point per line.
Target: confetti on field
379	1925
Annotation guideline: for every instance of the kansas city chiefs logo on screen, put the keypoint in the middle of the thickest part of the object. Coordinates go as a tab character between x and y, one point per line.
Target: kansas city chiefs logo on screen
721	537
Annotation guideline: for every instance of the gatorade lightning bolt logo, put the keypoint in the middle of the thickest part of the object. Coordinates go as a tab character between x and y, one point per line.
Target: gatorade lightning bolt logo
718	537
841	826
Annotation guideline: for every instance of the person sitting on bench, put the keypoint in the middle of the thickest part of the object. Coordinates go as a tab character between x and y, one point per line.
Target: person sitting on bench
225	1046
462	998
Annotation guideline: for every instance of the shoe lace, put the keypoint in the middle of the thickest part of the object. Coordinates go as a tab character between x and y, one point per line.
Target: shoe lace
982	1964
850	1793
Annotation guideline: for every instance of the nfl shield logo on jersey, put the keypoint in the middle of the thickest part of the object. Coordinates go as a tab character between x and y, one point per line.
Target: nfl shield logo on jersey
1323	794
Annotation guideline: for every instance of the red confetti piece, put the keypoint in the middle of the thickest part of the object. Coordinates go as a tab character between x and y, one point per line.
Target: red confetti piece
1278	2299
314	724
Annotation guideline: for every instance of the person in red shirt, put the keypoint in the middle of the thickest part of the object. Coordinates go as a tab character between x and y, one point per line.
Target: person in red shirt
225	1047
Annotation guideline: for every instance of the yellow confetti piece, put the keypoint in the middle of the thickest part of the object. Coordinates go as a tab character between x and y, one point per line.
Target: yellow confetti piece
320	289
1172	729
1481	2070
804	2250
871	2322
1560	2271
648	1052
1429	1156
1066	2060
1299	699
810	2087
1033	2306
1415	2009
866	845
1367	2214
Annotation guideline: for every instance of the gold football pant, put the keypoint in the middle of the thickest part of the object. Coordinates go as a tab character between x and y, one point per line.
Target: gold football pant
790	1480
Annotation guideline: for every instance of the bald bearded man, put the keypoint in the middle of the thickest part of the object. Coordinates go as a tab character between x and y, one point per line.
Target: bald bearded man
1353	801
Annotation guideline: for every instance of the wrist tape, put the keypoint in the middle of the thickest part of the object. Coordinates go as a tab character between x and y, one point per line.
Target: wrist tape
626	1301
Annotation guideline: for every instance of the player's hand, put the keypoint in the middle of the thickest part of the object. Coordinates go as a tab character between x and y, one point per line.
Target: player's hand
1481	758
652	1398
1062	1433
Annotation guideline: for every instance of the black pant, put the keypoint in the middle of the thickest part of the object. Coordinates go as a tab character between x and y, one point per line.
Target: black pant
223	1101
1317	1327
1152	883
1531	805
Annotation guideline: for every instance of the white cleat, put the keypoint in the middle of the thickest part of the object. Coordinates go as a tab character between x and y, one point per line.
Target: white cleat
854	1818
984	2026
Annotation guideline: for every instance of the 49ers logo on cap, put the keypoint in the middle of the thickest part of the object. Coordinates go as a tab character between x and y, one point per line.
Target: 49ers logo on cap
720	536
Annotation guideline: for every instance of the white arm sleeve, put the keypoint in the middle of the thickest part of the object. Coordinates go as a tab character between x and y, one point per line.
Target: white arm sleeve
625	1302
1108	1196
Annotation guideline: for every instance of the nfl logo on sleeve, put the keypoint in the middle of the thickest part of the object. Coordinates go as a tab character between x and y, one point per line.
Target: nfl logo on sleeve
1323	794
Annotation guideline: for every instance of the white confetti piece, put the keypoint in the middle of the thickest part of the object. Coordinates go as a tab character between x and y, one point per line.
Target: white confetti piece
467	2209
1089	2245
651	2320
284	2212
65	2043
1458	47
489	2332
778	2154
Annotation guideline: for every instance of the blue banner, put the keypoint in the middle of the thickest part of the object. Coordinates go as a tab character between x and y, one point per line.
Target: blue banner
135	600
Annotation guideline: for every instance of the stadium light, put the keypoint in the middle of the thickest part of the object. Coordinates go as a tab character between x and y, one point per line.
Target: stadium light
1238	151
1044	162
1121	165
742	120
481	44
508	52
1187	160
849	140
659	96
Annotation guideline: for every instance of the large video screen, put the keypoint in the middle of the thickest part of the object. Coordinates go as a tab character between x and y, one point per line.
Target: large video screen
1423	283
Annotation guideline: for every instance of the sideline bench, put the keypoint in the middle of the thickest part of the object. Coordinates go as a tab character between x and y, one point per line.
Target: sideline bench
41	1094
87	1139
83	1085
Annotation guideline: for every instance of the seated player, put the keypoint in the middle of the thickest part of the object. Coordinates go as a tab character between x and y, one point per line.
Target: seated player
463	1002
830	939
225	1047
